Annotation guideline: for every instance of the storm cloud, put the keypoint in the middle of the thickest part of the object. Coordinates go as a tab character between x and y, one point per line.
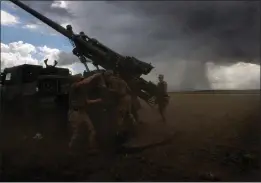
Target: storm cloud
170	34
215	30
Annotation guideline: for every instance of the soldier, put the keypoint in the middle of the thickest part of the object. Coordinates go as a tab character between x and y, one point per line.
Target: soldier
162	98
120	87
78	117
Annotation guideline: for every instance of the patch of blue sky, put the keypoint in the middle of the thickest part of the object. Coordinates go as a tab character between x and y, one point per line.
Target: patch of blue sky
33	36
14	33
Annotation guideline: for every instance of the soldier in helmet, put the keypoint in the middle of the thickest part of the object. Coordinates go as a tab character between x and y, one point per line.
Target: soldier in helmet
120	87
78	116
162	98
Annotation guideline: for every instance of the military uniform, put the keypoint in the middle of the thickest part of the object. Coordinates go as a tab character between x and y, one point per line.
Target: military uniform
78	116
162	98
124	104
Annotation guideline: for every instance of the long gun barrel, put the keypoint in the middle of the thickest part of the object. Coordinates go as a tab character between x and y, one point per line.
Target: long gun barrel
129	68
56	26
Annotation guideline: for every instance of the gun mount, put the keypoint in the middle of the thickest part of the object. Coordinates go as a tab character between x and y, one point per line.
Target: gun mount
85	48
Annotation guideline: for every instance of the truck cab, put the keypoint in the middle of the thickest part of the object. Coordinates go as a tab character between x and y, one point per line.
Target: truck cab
19	80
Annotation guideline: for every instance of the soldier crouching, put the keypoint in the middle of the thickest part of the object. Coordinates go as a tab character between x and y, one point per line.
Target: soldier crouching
78	116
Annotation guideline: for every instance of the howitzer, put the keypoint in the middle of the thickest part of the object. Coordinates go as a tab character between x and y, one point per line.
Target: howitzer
129	68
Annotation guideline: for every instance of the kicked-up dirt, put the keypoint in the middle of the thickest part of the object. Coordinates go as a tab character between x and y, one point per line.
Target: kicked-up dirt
211	137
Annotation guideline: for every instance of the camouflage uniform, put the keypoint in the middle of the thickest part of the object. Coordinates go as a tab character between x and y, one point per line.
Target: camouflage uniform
124	104
78	117
162	98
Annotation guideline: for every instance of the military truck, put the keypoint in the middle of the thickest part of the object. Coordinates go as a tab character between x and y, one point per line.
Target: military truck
33	100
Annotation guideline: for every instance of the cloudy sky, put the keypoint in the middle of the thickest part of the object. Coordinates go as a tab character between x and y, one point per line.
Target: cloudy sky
196	45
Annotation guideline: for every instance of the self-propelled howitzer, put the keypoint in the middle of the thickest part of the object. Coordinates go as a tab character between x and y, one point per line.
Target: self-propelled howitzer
129	68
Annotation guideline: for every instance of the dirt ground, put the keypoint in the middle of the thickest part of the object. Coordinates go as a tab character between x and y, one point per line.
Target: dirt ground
216	138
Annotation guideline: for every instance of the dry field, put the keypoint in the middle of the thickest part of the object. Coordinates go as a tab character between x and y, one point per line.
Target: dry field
217	137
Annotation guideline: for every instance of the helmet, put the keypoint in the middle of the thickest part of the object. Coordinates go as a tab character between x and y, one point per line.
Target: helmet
161	76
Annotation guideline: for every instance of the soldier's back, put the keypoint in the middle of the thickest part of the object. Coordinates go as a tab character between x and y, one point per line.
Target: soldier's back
118	83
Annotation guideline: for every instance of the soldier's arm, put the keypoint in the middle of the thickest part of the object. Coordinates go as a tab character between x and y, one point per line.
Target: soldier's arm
88	80
83	82
94	101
